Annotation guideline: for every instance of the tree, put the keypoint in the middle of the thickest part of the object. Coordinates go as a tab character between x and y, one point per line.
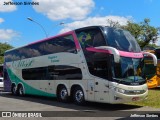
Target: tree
143	32
3	48
113	23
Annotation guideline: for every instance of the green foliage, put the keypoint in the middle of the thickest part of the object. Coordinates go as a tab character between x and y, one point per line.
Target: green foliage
150	47
3	48
143	32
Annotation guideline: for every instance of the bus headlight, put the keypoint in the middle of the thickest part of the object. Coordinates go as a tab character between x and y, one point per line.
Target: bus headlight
120	90
130	92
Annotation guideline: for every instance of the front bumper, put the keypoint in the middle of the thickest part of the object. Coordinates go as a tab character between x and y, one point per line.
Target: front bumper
124	98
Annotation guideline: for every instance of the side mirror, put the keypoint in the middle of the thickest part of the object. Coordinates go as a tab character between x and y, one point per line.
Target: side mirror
153	56
113	51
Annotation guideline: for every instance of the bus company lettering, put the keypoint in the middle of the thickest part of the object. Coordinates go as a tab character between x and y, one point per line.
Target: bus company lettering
53	59
22	63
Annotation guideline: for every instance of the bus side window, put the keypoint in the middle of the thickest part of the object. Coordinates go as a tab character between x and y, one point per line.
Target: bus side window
98	65
68	44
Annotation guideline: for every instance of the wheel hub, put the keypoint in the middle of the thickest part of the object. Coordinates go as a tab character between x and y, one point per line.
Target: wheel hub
21	91
79	95
63	94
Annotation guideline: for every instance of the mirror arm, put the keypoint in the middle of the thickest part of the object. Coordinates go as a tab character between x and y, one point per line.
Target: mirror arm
153	56
114	51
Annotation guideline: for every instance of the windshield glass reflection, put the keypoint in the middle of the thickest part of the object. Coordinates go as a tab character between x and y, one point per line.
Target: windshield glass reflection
129	70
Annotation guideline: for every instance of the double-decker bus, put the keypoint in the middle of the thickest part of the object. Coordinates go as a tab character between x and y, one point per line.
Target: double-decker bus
96	63
152	72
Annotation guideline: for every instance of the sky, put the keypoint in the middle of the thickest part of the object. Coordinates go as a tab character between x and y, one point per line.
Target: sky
54	17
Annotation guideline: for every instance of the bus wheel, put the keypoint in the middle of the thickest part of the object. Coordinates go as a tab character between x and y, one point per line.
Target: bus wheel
14	90
78	96
20	91
63	94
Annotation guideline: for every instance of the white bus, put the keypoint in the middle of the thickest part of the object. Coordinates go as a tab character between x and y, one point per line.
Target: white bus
96	63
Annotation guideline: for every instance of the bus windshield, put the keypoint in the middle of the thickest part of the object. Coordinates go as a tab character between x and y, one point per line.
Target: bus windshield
129	71
121	40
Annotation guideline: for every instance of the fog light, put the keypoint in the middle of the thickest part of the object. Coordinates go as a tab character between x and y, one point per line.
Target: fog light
120	90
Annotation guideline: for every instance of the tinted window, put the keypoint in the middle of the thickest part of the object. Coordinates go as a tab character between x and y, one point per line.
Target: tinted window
121	40
90	38
54	45
98	64
61	72
56	72
35	73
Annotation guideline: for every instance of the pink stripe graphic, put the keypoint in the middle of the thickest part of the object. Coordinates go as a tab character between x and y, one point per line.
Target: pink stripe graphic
122	53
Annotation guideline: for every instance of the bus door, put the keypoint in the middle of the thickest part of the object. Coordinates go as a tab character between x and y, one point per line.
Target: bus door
100	64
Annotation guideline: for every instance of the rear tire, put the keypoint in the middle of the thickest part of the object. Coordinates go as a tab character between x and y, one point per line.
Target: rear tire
14	90
20	90
62	94
78	96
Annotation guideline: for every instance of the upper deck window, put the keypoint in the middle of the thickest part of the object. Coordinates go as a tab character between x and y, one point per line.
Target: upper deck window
53	45
91	37
121	40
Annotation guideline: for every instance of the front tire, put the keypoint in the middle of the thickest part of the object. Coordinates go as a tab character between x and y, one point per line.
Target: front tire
63	94
78	96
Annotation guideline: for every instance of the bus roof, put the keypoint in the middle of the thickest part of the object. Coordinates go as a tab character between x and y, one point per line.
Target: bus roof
53	37
41	40
98	26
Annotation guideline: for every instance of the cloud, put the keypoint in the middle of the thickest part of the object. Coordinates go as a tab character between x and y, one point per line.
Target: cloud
6	8
1	20
95	21
62	9
7	35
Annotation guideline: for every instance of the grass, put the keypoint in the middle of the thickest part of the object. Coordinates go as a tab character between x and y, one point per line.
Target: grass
152	101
